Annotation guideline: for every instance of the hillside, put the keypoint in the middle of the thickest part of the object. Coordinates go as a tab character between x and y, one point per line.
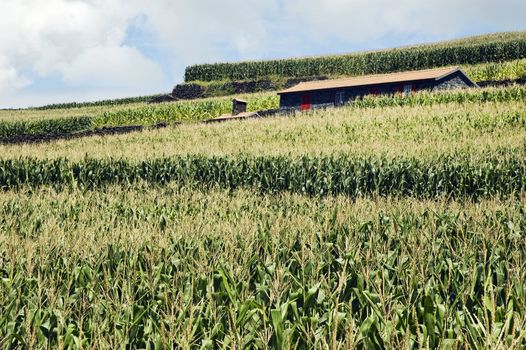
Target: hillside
379	217
392	222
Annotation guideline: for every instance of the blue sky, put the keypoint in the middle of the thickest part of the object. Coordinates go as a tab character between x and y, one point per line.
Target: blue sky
80	50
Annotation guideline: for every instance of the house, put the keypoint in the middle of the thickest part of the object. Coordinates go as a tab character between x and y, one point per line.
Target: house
316	94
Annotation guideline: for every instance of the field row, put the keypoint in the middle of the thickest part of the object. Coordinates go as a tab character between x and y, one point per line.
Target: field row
411	131
194	111
485	74
143	115
150	267
497	71
101	103
460	175
493	48
45	126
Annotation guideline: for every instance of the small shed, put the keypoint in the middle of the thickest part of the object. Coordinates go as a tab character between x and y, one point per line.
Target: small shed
316	94
239	106
239	112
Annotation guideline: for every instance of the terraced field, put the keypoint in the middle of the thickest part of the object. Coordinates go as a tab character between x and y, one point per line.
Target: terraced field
394	222
472	50
415	130
194	111
382	225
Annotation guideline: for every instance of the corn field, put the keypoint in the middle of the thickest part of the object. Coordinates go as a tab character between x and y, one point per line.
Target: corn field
155	268
453	175
187	111
49	126
390	223
194	111
423	98
109	103
484	72
191	111
146	115
493	48
496	71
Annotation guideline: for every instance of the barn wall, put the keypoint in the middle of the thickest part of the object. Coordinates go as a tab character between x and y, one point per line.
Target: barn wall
290	101
327	98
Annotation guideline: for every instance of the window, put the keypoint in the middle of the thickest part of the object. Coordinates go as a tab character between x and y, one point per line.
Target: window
408	89
339	99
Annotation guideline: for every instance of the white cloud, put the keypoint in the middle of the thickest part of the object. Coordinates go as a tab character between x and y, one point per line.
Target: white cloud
9	78
82	44
210	31
112	66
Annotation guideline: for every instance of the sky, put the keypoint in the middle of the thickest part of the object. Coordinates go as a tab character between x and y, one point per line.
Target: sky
54	51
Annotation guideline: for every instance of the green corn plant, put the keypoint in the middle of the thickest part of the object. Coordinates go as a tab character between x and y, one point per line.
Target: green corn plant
492	48
337	273
46	126
113	102
456	175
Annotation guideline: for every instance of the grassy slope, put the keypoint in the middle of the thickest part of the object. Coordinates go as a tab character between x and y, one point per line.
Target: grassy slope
414	131
186	267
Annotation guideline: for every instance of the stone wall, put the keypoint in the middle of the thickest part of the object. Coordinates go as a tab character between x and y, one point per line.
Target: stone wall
453	83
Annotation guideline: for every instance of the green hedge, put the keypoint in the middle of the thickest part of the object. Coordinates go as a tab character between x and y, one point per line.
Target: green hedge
501	47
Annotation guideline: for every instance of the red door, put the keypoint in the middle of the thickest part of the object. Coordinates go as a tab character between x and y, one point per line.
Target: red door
305	103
